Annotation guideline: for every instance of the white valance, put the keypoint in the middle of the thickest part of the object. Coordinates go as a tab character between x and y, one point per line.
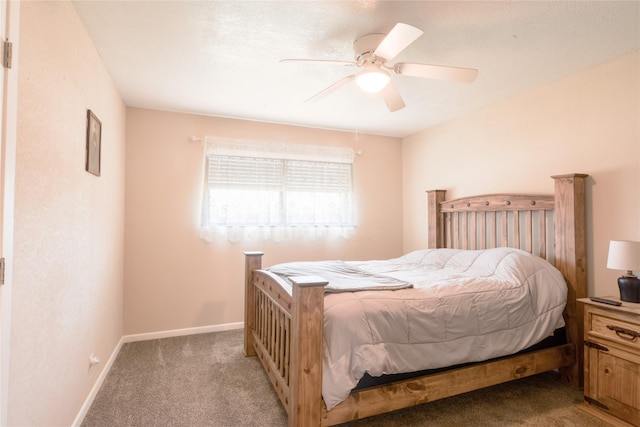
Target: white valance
249	148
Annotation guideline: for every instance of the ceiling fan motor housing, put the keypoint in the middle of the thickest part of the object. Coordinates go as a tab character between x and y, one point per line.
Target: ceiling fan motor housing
364	47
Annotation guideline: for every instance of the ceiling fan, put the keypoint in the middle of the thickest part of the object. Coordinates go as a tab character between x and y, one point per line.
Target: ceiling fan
373	53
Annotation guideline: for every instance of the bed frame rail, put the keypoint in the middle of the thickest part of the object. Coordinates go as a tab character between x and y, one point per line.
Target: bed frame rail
403	394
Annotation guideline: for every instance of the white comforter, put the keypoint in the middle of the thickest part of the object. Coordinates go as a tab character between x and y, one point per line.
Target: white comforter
464	306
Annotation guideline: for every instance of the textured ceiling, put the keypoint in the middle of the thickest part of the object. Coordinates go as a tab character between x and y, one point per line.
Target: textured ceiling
221	58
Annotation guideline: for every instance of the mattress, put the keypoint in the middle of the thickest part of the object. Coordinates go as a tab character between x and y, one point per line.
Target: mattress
430	309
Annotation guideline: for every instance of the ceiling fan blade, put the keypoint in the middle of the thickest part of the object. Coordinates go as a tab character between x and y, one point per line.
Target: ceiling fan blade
323	61
439	72
392	97
401	36
337	85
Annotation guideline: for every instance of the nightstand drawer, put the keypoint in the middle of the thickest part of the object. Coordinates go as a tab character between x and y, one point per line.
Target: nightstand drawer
618	331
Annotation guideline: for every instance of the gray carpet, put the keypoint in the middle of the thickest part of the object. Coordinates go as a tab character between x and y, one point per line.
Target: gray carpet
204	380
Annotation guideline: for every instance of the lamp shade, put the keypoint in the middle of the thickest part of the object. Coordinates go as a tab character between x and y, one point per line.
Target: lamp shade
372	79
624	255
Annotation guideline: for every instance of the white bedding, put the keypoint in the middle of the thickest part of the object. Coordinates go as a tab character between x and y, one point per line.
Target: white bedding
463	306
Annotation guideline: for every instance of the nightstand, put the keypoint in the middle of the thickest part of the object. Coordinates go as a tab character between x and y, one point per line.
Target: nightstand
612	361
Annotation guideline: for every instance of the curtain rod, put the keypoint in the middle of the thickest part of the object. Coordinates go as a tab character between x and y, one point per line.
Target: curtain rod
202	139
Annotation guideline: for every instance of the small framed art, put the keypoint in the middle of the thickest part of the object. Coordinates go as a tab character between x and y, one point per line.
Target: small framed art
94	136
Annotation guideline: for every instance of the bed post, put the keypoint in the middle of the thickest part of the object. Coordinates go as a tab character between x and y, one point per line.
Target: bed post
571	259
252	261
307	320
435	238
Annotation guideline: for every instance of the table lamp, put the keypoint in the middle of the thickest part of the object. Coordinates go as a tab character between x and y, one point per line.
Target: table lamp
625	255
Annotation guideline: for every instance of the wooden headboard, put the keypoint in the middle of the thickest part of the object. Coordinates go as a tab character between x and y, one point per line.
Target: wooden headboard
550	226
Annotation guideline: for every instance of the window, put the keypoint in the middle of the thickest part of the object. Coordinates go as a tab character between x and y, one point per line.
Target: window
255	189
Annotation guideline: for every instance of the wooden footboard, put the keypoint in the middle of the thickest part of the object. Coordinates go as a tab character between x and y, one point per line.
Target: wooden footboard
284	322
283	327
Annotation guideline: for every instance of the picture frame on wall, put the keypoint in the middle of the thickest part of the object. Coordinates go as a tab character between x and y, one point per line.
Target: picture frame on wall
94	137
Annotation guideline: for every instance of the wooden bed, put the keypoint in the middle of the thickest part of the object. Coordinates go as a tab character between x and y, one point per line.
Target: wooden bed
284	323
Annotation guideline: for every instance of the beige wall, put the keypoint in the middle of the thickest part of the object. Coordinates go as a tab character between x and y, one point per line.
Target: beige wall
586	123
69	224
175	280
71	227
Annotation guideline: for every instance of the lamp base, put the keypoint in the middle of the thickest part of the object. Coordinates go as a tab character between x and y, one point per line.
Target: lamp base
629	289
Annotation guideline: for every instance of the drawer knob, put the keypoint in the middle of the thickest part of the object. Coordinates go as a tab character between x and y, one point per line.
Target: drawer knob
626	334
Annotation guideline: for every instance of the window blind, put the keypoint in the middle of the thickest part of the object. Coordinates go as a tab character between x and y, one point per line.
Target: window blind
275	185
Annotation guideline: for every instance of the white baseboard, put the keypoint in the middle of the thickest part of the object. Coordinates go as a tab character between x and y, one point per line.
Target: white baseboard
182	332
96	386
144	337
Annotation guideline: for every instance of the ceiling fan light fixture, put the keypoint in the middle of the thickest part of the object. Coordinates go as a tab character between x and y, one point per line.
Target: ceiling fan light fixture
372	79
